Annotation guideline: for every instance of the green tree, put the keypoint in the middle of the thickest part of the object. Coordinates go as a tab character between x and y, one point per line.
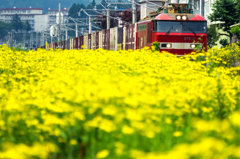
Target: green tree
238	7
4	28
224	42
212	35
225	12
16	23
28	26
74	13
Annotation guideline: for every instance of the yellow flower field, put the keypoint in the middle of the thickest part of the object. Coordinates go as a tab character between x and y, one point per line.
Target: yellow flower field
89	104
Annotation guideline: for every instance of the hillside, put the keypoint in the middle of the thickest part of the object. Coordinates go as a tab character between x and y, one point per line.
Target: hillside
45	4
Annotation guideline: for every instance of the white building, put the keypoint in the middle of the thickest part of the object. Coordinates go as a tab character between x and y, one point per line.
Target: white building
41	22
34	16
25	14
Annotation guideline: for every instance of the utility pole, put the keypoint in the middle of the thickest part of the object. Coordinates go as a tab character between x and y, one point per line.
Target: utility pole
76	30
36	39
46	36
59	24
202	8
24	42
134	12
31	40
108	18
11	40
66	38
119	22
90	25
43	38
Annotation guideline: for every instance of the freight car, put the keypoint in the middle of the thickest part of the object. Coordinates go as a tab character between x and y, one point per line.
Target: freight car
175	28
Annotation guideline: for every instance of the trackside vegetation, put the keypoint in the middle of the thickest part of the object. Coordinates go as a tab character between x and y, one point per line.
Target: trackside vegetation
92	104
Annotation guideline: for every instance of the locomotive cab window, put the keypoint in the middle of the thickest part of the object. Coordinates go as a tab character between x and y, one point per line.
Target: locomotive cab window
197	27
180	27
168	27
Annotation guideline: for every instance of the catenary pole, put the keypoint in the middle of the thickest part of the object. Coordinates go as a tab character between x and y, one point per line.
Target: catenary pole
108	18
59	25
76	30
134	12
66	38
90	25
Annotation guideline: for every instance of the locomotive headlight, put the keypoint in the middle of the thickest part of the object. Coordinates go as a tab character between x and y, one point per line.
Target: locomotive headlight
184	17
192	46
169	45
179	17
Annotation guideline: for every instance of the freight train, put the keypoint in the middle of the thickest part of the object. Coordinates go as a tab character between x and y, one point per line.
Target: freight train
176	29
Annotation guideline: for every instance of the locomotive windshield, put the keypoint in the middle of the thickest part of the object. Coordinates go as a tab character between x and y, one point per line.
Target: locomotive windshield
180	27
197	27
168	26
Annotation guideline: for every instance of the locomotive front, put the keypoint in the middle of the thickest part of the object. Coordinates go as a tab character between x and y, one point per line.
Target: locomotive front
179	31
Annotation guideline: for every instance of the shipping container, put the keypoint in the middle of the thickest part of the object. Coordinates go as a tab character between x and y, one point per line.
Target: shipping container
86	41
108	39
115	31
54	45
120	39
80	42
68	44
135	36
100	39
111	38
124	37
89	41
93	41
49	46
130	37
97	40
75	43
104	39
71	44
63	45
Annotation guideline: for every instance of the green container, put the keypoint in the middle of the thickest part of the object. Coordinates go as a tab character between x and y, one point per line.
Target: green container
191	11
165	11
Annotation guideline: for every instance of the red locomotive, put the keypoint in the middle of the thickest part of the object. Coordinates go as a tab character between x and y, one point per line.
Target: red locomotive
177	30
175	27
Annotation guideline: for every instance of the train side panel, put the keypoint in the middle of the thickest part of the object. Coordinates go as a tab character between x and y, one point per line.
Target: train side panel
97	40
120	39
86	41
92	41
108	39
100	40
124	37
135	36
89	41
75	43
115	38
81	41
111	39
104	39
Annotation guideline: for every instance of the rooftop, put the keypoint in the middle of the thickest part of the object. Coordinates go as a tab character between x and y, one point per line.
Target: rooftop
14	8
65	9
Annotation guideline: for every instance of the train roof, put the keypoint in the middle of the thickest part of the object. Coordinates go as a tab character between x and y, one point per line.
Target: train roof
174	10
173	16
